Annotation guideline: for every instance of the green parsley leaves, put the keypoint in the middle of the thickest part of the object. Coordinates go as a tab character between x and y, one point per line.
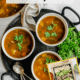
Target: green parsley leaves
54	24
16	38
53	34
49	60
19	40
50	28
47	34
45	70
71	46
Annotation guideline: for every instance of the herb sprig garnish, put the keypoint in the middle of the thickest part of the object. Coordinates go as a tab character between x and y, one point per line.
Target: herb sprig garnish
51	27
53	34
48	61
19	39
47	34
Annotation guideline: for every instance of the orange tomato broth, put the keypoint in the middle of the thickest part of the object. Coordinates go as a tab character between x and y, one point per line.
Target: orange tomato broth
39	64
11	45
59	29
9	9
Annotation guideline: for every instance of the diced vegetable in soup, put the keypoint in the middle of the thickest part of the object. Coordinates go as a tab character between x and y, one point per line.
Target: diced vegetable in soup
18	43
51	30
40	67
8	9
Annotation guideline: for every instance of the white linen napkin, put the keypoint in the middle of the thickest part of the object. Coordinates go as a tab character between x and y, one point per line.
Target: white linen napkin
31	10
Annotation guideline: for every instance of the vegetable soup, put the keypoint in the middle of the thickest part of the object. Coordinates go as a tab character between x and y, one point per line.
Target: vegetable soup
18	43
9	9
51	30
40	67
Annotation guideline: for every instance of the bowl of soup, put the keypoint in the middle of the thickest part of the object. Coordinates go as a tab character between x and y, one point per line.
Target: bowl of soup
39	64
18	43
7	10
51	29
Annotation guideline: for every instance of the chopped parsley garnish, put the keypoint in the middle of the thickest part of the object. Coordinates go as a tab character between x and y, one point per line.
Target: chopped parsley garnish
49	60
45	70
53	34
19	40
47	34
16	38
54	24
50	28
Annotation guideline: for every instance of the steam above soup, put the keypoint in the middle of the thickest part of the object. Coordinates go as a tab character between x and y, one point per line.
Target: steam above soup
51	30
18	43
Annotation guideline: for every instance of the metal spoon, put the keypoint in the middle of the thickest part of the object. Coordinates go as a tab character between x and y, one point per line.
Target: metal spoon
19	70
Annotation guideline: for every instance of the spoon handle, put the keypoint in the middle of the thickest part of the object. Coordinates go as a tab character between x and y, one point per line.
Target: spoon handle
21	76
27	76
24	77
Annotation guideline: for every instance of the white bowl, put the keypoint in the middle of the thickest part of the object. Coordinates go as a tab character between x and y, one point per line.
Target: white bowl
3	48
32	65
64	22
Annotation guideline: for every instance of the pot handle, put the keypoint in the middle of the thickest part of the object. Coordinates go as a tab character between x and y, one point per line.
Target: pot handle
6	73
72	23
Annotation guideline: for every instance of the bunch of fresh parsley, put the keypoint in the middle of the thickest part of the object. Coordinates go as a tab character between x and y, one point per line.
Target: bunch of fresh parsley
71	46
19	40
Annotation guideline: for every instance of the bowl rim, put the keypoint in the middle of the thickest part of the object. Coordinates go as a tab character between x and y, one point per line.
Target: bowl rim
16	12
32	64
4	36
62	19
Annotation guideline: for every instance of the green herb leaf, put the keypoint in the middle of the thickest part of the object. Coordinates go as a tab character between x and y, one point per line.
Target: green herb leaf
47	60
53	34
51	60
50	27
71	46
20	41
19	45
20	37
54	24
78	56
16	38
47	34
45	70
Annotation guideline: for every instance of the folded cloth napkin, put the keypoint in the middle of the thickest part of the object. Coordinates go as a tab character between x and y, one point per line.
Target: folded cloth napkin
31	10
